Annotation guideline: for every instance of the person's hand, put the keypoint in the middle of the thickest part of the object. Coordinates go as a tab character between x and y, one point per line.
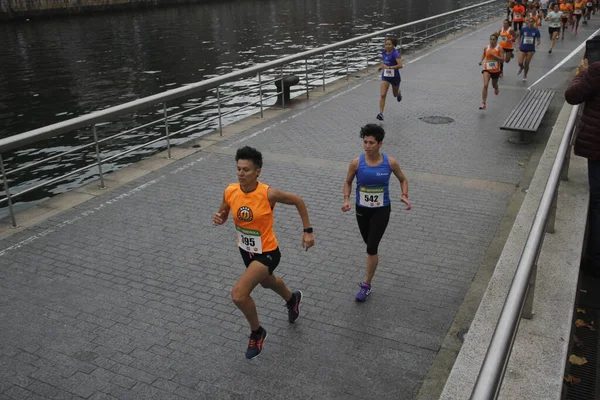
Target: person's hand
583	66
479	62
218	218
404	199
308	241
346	206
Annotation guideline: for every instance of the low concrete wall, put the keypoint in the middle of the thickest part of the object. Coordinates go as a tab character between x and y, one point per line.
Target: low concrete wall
536	366
12	9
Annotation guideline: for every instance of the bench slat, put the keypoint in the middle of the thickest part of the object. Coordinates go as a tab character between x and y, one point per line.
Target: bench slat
528	114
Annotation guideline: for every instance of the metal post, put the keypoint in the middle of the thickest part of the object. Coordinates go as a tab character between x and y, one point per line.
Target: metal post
564	174
347	67
282	88
528	306
167	131
98	159
260	95
306	73
367	60
414	36
323	60
219	110
552	214
13	220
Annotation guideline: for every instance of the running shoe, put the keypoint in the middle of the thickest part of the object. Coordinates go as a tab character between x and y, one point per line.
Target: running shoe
293	306
550	51
501	74
520	70
524	79
399	98
496	91
255	345
380	116
482	106
363	293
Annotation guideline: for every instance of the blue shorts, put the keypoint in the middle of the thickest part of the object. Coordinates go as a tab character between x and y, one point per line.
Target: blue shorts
395	81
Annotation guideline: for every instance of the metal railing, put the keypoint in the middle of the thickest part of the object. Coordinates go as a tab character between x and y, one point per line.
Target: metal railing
315	67
519	300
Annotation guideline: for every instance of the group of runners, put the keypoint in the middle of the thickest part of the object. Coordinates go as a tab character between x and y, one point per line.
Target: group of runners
252	202
526	39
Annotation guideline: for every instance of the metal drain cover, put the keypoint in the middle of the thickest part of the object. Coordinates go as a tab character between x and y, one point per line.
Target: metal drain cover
437	120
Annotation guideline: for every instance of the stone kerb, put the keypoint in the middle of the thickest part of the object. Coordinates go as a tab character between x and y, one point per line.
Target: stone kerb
533	373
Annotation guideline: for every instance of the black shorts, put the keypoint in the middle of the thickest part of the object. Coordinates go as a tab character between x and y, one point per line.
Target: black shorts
372	223
507	50
578	16
494	75
517	26
552	30
270	259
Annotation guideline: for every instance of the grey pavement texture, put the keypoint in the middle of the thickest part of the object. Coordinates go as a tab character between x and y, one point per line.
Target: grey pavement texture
128	294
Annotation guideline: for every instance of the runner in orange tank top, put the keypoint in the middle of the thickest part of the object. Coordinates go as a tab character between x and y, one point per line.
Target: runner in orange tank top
493	56
566	9
579	6
252	203
518	16
507	39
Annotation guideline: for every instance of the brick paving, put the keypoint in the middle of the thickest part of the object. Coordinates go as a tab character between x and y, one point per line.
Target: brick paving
128	295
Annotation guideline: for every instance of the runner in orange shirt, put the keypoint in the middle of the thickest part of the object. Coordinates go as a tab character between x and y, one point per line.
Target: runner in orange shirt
566	8
252	203
507	39
493	56
579	6
518	16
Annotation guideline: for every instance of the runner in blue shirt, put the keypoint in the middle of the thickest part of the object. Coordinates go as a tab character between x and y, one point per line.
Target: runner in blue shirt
390	74
372	171
529	39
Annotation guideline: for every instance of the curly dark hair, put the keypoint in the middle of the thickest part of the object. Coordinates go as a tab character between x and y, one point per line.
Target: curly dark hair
372	130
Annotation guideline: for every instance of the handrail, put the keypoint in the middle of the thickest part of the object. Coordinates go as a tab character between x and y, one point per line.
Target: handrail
108	114
491	374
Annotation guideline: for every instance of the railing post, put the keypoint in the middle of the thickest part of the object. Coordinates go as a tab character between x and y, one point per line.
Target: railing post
323	60
260	94
552	214
528	305
414	36
347	67
167	130
219	110
98	159
306	74
282	88
13	220
367	60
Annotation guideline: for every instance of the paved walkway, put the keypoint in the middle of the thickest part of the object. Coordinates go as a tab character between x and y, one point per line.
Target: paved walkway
128	294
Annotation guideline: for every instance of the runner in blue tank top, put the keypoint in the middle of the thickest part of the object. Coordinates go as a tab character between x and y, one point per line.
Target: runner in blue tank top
390	74
372	171
529	40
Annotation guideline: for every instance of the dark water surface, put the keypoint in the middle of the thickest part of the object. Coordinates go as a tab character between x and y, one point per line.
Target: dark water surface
56	69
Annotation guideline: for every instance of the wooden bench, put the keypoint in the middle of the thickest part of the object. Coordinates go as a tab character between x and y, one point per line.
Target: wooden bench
528	114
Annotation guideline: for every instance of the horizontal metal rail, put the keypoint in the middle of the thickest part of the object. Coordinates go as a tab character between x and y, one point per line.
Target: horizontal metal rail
491	374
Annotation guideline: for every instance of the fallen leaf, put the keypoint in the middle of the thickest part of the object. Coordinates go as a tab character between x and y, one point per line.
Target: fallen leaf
576	360
572	380
581	310
580	323
521	164
577	341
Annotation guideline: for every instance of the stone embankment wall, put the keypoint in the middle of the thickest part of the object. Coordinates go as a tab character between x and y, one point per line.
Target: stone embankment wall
12	9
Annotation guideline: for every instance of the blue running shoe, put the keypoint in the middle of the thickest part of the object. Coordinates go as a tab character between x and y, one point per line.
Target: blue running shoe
399	98
380	116
255	345
363	293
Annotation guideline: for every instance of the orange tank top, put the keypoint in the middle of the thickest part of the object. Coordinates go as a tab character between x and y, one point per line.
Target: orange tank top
506	39
253	218
491	64
579	7
518	13
566	8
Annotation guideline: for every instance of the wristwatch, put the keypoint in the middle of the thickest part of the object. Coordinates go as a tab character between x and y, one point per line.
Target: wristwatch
308	230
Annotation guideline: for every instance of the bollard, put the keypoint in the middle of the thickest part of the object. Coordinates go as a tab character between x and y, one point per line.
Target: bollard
283	96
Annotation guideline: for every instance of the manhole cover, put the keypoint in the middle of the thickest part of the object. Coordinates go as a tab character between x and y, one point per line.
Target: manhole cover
437	120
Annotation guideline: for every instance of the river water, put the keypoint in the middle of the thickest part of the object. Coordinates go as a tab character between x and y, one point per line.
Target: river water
56	69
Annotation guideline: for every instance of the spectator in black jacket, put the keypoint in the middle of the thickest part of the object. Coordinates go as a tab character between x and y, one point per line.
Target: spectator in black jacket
586	88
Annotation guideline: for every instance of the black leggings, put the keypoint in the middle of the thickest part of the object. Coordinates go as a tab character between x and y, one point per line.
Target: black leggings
372	223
